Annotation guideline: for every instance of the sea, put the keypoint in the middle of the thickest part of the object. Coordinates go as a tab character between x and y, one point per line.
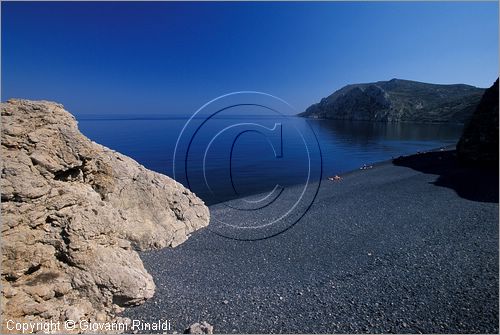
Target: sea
229	156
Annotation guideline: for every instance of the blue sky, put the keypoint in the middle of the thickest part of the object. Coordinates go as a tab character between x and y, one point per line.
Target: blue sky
161	57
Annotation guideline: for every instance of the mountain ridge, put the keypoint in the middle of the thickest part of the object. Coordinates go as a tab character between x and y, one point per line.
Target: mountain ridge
399	100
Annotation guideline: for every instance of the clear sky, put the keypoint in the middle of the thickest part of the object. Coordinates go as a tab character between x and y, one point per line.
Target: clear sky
160	57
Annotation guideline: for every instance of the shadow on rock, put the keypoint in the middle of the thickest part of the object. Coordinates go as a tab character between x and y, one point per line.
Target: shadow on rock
472	182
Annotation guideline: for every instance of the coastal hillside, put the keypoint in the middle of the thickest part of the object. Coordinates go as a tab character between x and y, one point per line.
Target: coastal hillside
74	213
399	100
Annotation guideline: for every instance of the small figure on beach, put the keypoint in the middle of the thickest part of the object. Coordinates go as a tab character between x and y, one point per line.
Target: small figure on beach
335	178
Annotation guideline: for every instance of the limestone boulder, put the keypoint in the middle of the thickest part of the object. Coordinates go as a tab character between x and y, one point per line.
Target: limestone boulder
74	215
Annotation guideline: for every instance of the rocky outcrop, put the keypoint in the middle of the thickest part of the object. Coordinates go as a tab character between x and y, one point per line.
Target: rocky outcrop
399	100
74	213
479	141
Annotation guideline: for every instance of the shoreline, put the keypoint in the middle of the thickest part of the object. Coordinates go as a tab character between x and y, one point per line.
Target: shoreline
455	123
325	176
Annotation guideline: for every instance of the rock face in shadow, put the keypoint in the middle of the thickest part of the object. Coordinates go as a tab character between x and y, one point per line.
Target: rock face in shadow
399	100
479	142
73	215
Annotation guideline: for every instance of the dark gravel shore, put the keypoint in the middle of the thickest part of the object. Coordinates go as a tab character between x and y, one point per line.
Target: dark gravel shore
405	247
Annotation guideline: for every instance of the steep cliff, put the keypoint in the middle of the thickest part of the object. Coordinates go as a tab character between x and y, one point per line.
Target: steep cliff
479	141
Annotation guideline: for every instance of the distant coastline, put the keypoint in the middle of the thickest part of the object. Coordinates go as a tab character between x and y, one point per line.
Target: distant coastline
399	100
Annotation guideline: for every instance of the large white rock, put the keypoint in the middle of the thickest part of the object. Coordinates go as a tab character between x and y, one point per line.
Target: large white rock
73	215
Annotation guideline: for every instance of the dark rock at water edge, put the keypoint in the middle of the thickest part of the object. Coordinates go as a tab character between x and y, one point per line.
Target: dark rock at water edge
479	141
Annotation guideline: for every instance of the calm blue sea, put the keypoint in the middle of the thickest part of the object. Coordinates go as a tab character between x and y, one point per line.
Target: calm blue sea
233	156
